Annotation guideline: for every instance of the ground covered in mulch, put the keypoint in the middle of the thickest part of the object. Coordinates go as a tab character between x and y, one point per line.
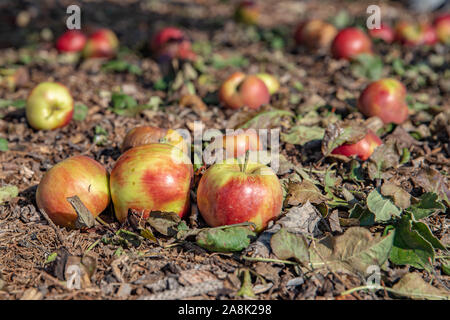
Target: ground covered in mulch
346	214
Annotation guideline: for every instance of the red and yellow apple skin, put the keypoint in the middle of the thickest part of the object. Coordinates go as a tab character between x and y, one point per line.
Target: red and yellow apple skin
247	12
152	177
171	43
270	81
315	34
237	144
442	28
71	41
146	134
240	90
385	99
385	33
363	148
226	195
411	34
349	43
76	176
101	44
49	106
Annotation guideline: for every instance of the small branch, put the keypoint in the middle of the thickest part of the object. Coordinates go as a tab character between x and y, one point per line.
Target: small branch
269	260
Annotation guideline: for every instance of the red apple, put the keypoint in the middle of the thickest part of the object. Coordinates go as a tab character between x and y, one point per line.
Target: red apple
145	135
49	106
411	34
442	27
429	34
101	44
247	12
76	176
152	177
238	143
385	99
270	81
228	193
349	43
71	41
385	33
240	90
315	34
170	43
363	148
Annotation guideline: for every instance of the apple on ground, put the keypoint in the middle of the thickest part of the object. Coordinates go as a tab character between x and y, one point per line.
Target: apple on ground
270	81
413	34
170	43
146	134
152	177
238	143
363	148
315	34
247	12
101	44
442	27
76	176
49	106
386	99
232	192
71	41
349	43
241	90
385	33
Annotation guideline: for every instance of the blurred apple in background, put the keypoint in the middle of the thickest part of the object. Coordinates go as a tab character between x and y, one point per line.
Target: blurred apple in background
247	12
170	43
71	41
315	34
270	81
385	33
102	43
442	27
349	43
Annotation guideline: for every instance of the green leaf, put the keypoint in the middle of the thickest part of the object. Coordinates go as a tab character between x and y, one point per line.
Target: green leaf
412	285
100	135
3	144
80	112
121	66
237	61
446	269
428	204
367	66
225	239
246	289
342	19
365	217
303	134
286	245
8	192
381	207
266	119
423	229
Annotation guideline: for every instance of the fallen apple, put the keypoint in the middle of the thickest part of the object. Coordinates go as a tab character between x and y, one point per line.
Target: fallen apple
76	176
349	43
412	34
240	90
238	143
270	81
386	99
442	27
101	44
385	33
71	41
152	177
363	148
146	134
230	193
247	12
49	106
315	34
170	43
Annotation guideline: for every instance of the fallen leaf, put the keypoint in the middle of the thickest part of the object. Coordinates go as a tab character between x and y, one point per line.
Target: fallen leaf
85	219
7	193
340	133
413	286
427	205
381	207
286	245
164	222
302	134
225	239
300	193
401	198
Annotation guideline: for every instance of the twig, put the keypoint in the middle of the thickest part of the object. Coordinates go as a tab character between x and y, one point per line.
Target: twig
268	260
54	227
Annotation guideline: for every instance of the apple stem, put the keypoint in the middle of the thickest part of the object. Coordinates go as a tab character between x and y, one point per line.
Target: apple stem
244	168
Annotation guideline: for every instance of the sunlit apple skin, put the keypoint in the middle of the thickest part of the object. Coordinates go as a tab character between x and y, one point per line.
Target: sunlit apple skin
385	33
225	195
80	176
349	43
315	34
152	177
170	43
270	81
146	134
49	106
247	12
101	44
71	41
411	34
385	99
238	143
363	148
442	27
240	90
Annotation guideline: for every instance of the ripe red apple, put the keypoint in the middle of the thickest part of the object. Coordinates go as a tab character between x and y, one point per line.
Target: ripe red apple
101	44
442	27
411	34
247	12
270	81
349	43
71	41
146	134
228	193
315	34
152	177
385	33
240	90
171	43
238	143
76	176
385	99
49	106
363	148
